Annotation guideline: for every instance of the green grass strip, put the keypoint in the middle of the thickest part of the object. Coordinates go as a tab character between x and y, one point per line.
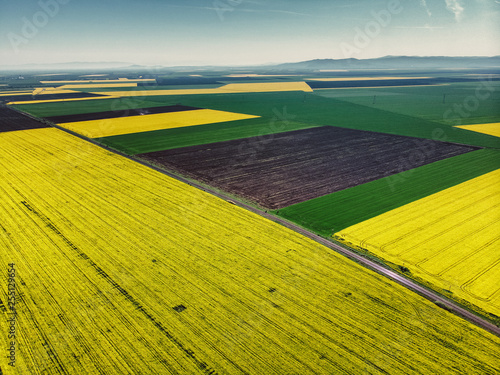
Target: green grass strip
314	109
159	140
334	212
454	104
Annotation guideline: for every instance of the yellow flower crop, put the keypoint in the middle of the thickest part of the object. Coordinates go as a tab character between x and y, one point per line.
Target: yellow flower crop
363	79
119	80
490	129
120	269
64	100
450	239
97	85
145	123
232	88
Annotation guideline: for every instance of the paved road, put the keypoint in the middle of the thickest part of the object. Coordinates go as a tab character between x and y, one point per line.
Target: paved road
393	275
408	283
400	279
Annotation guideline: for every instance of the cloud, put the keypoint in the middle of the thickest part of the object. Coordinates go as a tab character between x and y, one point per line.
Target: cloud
456	8
424	4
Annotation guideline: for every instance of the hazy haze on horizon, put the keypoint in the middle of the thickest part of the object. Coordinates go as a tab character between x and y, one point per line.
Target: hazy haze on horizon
242	32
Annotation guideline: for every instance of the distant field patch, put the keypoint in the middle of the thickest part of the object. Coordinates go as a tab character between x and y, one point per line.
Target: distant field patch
296	166
490	129
51	91
371	83
154	87
122	80
65	108
251	75
232	88
168	139
353	79
42	94
119	113
438	103
146	123
97	85
450	238
77	97
15	93
7	92
266	87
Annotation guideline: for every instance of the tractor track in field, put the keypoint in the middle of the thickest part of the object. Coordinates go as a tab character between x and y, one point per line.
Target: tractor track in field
430	295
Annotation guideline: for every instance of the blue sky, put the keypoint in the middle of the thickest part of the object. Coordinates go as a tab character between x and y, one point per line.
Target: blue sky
242	32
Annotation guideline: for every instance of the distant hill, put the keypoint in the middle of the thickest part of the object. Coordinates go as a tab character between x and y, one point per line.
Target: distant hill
394	62
387	62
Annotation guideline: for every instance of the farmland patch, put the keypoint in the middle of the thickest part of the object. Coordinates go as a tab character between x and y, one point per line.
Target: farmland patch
64	108
450	239
323	84
337	211
232	88
363	79
97	85
11	120
98	81
167	139
146	123
121	269
49	96
126	112
62	98
296	166
490	129
455	104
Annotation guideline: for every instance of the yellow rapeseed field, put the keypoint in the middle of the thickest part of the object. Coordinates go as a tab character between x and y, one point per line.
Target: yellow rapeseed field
362	79
97	85
145	123
4	93
490	129
450	239
122	80
16	93
38	91
266	87
232	88
246	75
119	269
51	91
65	100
